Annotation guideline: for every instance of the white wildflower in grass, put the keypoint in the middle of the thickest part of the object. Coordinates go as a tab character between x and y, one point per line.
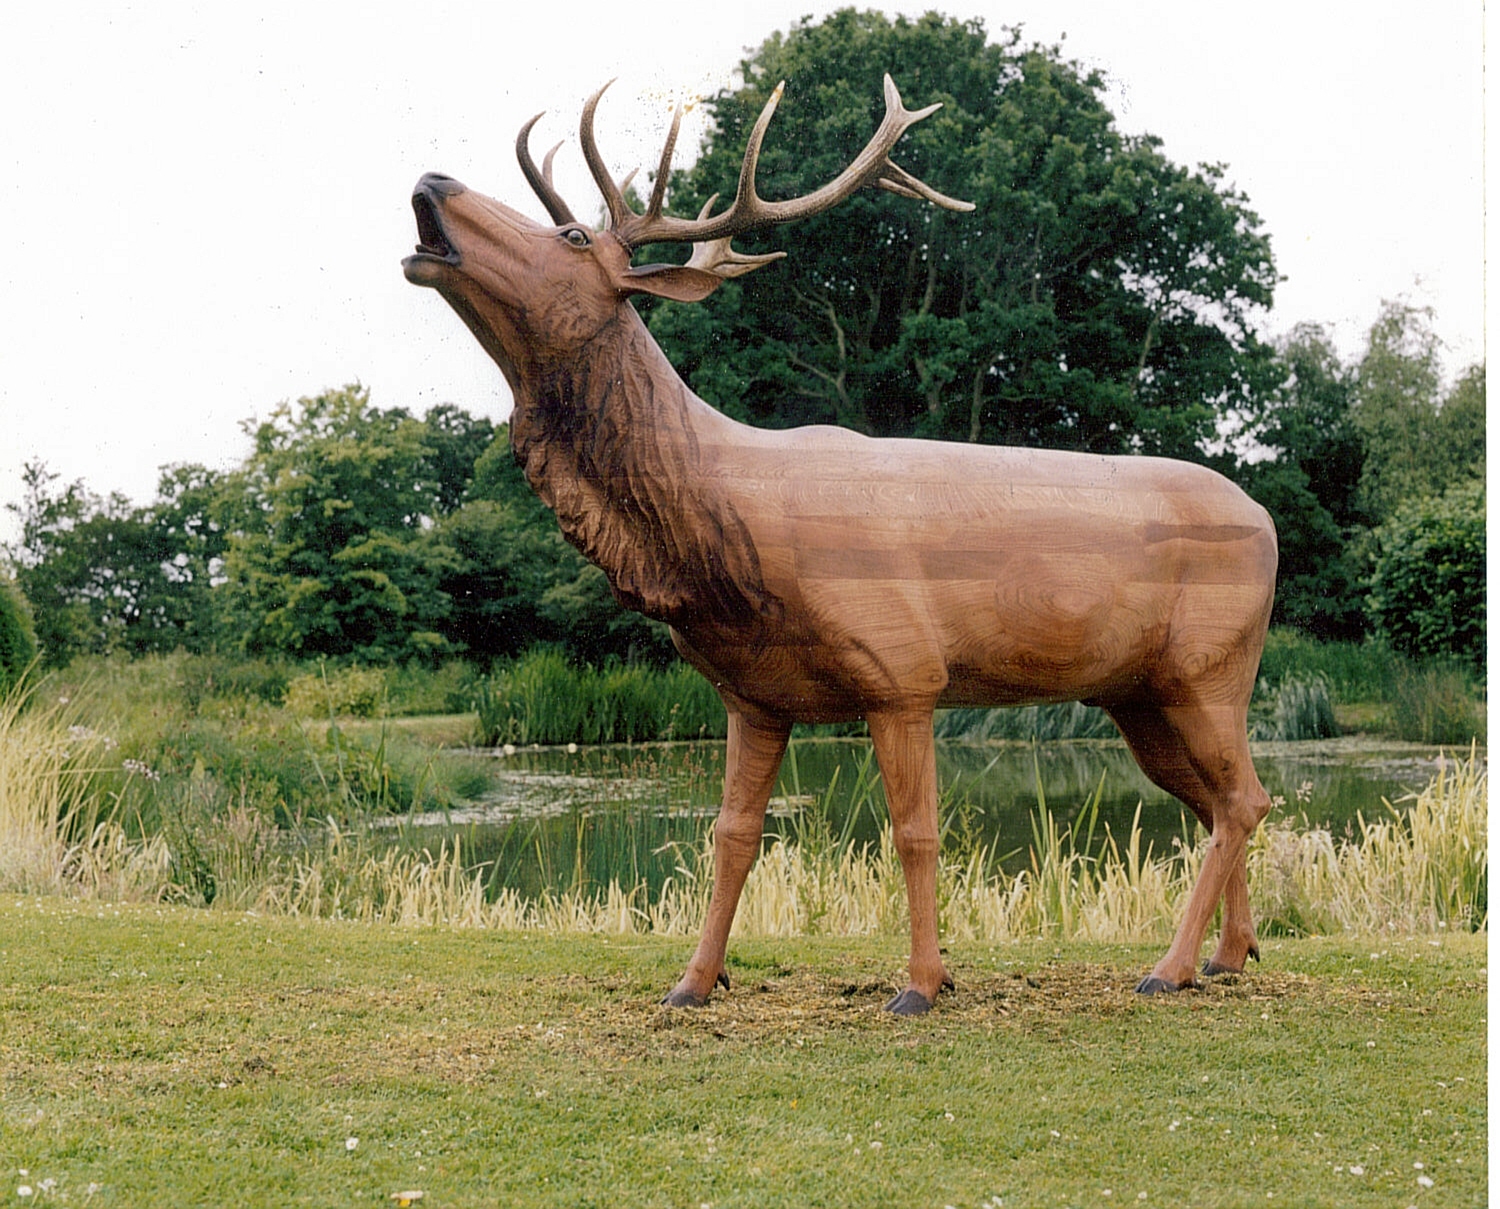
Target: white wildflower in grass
1356	1170
350	1143
140	768
25	1190
1425	1181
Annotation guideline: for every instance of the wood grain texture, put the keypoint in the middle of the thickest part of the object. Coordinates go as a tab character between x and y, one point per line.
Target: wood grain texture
817	574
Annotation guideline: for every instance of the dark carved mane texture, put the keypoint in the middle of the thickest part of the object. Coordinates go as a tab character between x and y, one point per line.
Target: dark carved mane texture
607	445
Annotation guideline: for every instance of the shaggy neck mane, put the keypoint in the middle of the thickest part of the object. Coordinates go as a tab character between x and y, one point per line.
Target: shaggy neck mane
607	441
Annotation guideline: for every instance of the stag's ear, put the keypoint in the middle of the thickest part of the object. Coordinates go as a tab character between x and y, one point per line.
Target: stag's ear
680	283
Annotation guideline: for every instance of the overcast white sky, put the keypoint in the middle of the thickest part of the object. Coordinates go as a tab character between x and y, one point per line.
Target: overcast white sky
206	205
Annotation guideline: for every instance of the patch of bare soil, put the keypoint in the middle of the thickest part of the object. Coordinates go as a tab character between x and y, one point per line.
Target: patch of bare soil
791	1006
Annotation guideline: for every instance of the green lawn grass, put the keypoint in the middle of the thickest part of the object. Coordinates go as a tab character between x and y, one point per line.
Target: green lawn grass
164	1056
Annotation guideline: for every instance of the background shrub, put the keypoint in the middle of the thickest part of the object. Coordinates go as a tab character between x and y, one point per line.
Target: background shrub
1028	723
1427	593
354	692
415	689
1353	671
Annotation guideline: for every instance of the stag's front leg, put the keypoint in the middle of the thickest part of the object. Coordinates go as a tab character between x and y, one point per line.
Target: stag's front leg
908	766
752	760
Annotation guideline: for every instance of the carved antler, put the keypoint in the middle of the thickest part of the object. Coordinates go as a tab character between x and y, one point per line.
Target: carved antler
711	236
541	182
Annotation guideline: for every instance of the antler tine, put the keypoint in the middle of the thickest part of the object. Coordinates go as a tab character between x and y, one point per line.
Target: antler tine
745	199
897	180
664	170
717	256
614	196
541	182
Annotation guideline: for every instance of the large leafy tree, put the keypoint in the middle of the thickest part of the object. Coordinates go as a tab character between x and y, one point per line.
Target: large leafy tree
1339	451
17	634
1098	298
331	549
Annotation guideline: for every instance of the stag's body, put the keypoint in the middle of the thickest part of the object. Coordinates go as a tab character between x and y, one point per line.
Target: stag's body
816	574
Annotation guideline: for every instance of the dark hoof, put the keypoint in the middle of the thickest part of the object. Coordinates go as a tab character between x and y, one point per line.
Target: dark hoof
1152	985
1212	968
909	1003
677	997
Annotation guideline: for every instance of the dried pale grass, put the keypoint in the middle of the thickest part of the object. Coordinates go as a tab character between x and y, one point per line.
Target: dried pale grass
1418	872
56	834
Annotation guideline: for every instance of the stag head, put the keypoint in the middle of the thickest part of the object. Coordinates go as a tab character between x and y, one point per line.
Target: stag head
532	293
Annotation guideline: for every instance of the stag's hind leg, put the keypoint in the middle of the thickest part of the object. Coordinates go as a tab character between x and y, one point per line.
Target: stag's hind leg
752	760
1201	755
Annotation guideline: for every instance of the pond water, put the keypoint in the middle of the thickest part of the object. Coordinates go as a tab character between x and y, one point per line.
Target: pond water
554	818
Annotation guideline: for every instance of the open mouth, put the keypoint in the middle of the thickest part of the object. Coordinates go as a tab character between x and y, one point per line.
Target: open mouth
432	241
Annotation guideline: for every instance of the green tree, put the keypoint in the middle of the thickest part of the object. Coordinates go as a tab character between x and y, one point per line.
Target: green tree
455	441
517	582
101	574
1099	298
1427	593
17	635
1309	460
331	549
1420	438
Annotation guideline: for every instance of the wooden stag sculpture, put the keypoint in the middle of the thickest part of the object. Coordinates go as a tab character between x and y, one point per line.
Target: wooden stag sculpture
816	574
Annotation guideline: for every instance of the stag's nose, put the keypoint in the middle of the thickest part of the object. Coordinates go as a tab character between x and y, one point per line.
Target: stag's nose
435	183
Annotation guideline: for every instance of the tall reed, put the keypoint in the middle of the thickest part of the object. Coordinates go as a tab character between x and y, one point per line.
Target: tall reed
59	831
542	698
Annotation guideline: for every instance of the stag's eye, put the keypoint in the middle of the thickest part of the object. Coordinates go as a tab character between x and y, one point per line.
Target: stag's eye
577	236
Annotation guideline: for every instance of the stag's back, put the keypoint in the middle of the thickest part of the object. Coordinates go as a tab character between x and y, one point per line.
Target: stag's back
1000	575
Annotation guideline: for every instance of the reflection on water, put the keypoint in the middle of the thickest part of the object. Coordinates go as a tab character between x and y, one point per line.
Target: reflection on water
554	818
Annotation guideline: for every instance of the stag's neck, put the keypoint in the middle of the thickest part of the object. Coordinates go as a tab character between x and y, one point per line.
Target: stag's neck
610	441
612	418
